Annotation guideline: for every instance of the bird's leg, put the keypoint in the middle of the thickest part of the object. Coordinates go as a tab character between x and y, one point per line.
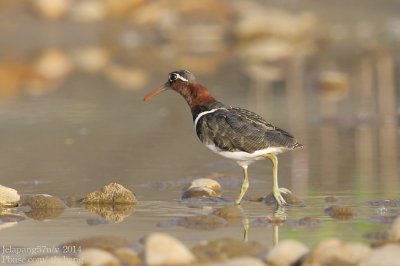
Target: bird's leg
276	191
245	185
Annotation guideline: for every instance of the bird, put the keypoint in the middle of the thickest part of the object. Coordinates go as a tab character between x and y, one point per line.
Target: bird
234	133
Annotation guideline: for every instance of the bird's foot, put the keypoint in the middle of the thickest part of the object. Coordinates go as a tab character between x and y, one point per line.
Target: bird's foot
278	197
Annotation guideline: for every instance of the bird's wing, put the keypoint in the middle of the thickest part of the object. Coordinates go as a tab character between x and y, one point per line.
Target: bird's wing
235	129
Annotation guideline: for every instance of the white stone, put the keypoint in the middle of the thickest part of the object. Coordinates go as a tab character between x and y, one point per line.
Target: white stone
8	196
163	249
205	182
286	253
97	257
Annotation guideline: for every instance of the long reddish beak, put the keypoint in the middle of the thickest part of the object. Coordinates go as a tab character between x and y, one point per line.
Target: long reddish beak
154	92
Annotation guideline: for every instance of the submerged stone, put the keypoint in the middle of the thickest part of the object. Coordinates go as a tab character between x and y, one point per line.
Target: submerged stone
226	248
108	243
163	249
9	197
10	218
111	193
43	206
290	199
230	213
339	212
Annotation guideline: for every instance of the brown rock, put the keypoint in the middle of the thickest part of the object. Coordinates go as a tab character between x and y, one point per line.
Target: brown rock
111	212
199	192
231	213
112	193
290	199
127	256
226	248
43	206
339	212
203	222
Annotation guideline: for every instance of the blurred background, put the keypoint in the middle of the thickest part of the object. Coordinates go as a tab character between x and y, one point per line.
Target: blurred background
73	74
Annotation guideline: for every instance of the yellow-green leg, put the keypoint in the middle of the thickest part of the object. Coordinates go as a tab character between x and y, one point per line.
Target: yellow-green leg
276	191
245	185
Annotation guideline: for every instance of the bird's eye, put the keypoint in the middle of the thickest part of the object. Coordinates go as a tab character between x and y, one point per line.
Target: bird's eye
172	77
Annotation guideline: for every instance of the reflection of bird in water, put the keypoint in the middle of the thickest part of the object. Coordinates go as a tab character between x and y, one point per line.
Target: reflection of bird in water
232	132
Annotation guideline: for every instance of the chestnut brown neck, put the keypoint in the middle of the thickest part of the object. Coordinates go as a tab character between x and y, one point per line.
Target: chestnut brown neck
194	94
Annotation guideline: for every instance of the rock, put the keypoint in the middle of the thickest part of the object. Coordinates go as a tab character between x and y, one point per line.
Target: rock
10	218
53	64
54	261
111	212
226	248
290	199
230	213
51	9
308	221
163	249
127	256
202	188
394	231
333	85
111	193
339	212
43	206
107	243
97	257
387	255
9	197
286	252
334	252
331	199
244	261
202	222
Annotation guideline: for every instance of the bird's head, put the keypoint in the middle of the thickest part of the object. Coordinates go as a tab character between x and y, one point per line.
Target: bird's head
179	81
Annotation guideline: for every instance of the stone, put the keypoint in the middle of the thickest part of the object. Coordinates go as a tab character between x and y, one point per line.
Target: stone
127	77
387	255
53	64
290	199
163	249
107	243
332	252
54	261
331	199
89	11
394	231
91	59
339	212
202	222
112	193
227	248
230	213
244	261
202	188
43	206
127	256
9	197
286	253
97	257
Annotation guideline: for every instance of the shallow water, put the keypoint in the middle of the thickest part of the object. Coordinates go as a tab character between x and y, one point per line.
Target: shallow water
87	132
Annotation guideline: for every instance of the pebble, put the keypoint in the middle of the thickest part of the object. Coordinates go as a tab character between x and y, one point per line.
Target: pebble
388	255
97	257
286	252
127	256
331	199
110	194
127	77
244	261
163	249
51	9
43	206
88	11
9	197
53	64
202	188
91	59
334	252
290	199
339	212
230	213
394	231
226	248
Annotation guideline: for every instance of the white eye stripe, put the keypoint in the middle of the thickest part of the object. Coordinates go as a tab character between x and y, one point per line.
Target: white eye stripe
178	77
